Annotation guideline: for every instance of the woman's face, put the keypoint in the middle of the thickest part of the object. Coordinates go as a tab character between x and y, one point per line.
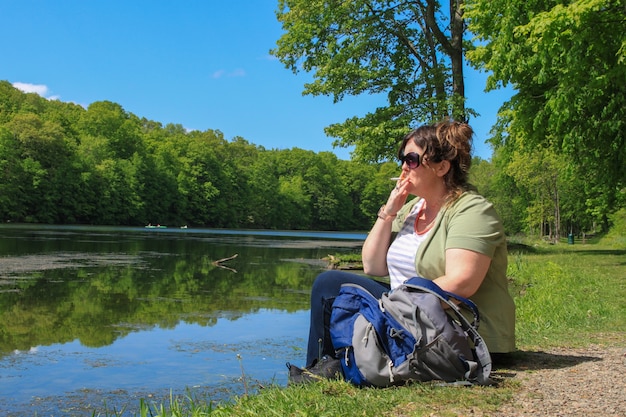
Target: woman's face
421	178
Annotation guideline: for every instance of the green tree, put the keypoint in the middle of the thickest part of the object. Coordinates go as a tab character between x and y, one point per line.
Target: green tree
376	189
567	63
13	180
412	51
11	100
481	175
46	158
541	173
366	197
331	205
165	145
120	128
295	203
198	179
295	196
263	180
236	157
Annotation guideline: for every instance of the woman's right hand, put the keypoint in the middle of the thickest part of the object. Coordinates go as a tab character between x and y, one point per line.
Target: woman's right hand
397	197
374	251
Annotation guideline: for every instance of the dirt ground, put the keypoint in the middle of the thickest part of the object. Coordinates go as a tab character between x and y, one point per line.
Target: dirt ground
588	381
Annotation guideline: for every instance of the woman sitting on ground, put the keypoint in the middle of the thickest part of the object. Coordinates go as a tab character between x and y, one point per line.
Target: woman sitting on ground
449	234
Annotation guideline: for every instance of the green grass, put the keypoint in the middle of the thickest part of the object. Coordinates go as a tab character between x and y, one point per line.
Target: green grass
566	296
338	398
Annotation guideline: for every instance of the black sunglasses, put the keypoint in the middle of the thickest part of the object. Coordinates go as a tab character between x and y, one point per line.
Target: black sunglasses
412	159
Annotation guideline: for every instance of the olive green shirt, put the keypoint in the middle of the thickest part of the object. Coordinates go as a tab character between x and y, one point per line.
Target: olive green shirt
472	223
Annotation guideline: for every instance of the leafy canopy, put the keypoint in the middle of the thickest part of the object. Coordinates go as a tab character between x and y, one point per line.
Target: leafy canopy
567	61
410	51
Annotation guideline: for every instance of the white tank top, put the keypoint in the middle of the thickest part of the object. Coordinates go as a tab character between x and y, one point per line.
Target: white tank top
401	253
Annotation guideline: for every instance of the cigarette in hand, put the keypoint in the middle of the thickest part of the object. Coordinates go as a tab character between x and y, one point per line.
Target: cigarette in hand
395	179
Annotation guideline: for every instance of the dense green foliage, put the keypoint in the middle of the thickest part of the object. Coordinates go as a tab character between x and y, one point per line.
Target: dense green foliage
62	164
561	138
559	143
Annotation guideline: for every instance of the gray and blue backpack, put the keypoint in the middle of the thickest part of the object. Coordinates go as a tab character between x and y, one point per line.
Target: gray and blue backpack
407	335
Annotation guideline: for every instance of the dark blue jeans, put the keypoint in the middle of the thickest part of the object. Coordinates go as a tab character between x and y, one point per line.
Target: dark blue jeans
325	289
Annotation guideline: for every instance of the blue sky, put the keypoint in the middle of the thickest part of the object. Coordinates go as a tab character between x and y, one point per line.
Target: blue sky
203	64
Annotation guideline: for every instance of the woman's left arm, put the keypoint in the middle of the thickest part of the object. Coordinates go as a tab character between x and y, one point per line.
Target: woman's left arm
465	271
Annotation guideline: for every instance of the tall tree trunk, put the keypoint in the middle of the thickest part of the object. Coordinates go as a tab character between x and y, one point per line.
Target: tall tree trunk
453	47
557	214
457	26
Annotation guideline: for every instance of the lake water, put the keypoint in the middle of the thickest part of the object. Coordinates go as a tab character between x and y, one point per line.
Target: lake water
95	318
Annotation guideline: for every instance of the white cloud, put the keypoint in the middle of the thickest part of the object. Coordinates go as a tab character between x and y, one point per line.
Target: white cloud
40	89
218	73
238	72
32	88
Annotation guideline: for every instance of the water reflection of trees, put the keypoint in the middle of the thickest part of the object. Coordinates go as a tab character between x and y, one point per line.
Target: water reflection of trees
98	304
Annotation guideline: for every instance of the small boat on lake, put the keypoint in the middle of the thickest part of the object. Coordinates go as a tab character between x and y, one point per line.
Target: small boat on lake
158	226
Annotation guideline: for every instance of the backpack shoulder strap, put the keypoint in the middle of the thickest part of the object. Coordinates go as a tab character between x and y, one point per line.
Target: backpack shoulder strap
427	285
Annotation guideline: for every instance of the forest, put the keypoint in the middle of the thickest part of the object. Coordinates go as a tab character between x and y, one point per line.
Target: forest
63	164
559	145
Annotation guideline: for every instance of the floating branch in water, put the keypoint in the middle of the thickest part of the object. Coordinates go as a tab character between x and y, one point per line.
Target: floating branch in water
219	262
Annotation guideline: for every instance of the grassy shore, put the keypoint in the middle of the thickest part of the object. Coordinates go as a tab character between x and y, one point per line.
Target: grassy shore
566	296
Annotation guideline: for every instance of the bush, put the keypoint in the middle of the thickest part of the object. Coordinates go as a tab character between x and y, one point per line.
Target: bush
617	234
